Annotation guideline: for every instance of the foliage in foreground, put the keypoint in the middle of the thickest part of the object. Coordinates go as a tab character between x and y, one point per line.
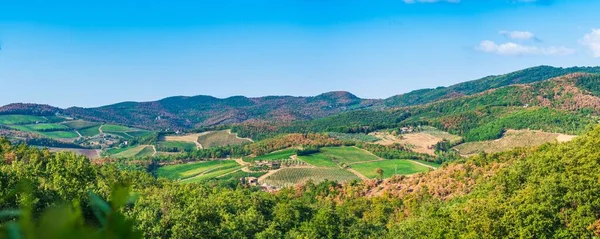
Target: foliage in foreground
549	192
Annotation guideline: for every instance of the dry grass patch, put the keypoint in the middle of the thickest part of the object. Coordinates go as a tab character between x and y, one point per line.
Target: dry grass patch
420	142
512	139
220	138
192	138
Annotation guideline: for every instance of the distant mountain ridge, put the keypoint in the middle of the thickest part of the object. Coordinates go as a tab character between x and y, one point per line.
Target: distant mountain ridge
187	112
529	75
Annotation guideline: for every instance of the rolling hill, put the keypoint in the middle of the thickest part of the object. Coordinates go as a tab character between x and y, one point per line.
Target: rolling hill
326	111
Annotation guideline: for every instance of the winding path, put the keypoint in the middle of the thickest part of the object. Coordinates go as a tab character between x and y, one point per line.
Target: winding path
422	164
357	174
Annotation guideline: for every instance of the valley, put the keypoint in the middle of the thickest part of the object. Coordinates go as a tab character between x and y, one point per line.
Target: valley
432	150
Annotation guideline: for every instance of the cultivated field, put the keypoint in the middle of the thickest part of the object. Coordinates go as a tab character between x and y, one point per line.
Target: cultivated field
21	119
390	168
292	176
190	170
511	139
220	138
90	131
281	154
40	127
123	131
59	134
318	160
353	137
80	124
191	138
217	173
132	152
348	155
90	153
178	145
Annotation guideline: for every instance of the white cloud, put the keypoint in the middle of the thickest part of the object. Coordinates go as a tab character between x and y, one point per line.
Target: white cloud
514	49
518	35
592	41
430	1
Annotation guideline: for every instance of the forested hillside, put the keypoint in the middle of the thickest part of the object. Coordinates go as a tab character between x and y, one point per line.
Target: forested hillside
565	104
525	76
548	192
185	113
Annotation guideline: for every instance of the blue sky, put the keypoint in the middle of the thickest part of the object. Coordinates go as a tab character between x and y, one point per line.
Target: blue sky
91	53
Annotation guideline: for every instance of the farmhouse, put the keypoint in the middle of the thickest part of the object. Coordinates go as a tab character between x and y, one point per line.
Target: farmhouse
269	164
252	181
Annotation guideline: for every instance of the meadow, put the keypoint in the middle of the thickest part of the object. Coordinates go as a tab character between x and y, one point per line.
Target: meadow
390	168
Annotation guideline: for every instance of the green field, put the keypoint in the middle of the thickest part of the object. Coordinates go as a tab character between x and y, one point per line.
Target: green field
139	133
353	137
130	152
180	145
292	176
119	134
123	131
318	160
219	138
115	128
59	134
91	131
432	164
188	170
282	154
348	155
39	127
214	174
80	124
390	168
21	119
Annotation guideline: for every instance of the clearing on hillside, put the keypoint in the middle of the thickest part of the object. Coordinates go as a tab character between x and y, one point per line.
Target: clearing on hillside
390	168
190	170
420	142
291	176
220	138
511	139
